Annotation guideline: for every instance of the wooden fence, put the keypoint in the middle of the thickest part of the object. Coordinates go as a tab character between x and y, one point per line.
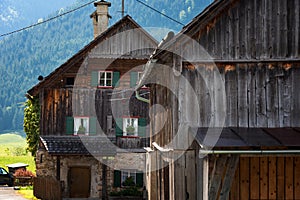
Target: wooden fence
47	188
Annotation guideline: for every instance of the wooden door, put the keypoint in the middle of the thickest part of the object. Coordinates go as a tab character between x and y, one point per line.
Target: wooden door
79	182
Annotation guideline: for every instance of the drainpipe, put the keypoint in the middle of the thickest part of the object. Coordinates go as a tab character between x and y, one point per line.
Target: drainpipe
137	95
203	151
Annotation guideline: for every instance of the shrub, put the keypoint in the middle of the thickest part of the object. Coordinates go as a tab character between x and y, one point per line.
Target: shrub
23	173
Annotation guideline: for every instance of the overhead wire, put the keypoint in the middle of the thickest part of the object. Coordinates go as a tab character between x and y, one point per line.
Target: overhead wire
47	20
143	3
75	9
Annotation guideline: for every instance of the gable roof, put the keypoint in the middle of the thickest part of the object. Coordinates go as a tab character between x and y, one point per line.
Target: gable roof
201	21
81	54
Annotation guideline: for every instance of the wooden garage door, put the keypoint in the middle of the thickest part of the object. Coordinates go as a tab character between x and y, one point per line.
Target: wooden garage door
79	182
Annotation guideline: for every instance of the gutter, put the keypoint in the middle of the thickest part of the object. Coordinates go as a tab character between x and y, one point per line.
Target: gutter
202	151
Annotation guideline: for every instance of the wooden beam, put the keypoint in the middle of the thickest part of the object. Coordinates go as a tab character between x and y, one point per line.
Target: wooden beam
229	176
205	183
216	177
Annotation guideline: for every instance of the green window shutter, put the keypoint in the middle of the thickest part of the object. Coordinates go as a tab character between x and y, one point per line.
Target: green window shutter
139	179
116	78
119	127
142	127
94	79
93	126
117	178
133	79
70	125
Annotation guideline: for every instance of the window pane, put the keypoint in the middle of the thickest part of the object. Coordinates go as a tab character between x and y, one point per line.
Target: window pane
102	83
102	75
108	75
108	83
81	125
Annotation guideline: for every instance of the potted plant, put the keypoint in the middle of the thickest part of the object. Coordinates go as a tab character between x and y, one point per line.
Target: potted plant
81	130
129	191
130	130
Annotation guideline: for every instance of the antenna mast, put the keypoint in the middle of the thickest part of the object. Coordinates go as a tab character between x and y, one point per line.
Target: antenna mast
122	8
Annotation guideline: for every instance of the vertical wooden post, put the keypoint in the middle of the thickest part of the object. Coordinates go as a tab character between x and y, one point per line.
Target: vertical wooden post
205	178
200	173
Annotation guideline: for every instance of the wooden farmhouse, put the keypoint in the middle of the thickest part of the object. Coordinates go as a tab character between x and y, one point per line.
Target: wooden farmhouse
228	86
92	125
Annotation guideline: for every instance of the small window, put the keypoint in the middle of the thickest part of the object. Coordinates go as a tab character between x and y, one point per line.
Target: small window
70	81
105	79
130	126
128	177
81	125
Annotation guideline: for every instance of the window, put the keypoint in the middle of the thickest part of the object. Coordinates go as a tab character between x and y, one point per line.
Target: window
105	79
81	125
70	81
130	126
3	171
128	176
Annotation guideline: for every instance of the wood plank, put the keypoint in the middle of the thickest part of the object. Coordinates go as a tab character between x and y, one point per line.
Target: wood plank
272	178
233	161
297	177
254	178
272	97
244	178
190	172
280	178
242	96
289	178
231	92
263	178
296	96
261	107
242	32
287	97
251	95
216	177
235	188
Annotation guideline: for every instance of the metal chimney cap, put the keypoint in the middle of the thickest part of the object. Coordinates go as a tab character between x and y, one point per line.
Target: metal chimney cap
102	2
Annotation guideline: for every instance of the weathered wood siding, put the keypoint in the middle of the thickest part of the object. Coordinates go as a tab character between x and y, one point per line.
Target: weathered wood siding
57	104
257	95
256	29
267	178
126	42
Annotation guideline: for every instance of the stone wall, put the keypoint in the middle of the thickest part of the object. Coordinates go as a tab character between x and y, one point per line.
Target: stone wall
46	167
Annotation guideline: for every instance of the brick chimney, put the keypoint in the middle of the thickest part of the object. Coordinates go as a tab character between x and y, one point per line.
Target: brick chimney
100	17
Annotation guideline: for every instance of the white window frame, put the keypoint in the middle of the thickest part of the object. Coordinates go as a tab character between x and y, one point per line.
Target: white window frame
105	84
125	173
77	123
130	121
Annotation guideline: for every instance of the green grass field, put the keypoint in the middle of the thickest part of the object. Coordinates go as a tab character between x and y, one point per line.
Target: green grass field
13	150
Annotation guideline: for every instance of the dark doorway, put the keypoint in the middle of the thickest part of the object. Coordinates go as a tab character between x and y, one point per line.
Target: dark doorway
79	182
